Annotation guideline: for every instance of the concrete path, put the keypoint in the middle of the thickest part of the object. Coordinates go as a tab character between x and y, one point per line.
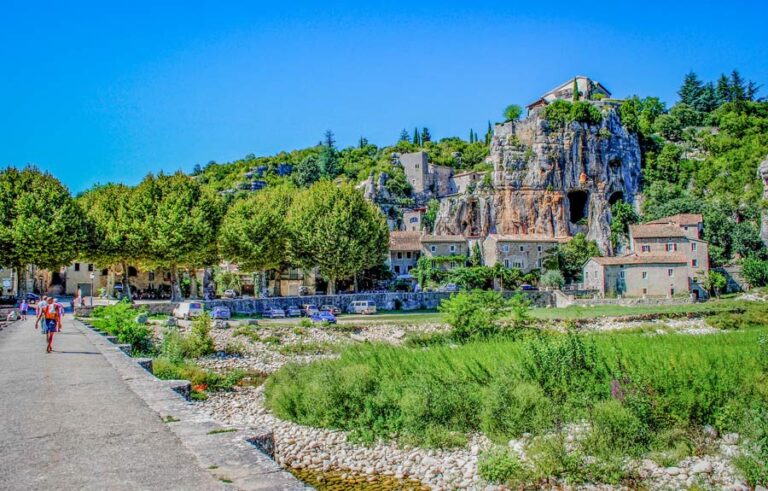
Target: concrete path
69	421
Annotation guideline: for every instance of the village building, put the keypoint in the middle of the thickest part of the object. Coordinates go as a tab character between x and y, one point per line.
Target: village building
444	246
413	220
426	178
523	252
637	276
588	89
404	251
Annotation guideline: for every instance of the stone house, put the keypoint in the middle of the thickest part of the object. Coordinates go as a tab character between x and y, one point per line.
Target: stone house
637	275
413	219
426	178
523	252
404	251
587	88
465	181
445	245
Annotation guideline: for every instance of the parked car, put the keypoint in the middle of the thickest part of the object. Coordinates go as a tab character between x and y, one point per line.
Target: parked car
221	313
449	287
362	307
309	309
274	313
230	294
323	316
528	288
187	310
32	298
330	308
293	311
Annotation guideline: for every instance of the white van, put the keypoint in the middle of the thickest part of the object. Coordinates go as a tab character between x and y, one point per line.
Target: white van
362	307
187	310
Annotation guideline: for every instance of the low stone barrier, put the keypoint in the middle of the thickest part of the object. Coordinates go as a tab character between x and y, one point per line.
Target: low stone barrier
383	301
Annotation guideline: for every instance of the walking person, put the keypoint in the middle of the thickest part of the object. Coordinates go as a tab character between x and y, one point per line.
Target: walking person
40	307
51	321
23	309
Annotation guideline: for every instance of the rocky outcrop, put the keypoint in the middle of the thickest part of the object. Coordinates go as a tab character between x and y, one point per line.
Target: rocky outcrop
550	181
762	173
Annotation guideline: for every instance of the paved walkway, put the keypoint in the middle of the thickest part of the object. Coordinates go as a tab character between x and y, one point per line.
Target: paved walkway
69	421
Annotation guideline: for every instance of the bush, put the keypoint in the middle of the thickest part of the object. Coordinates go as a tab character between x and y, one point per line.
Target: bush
754	463
120	320
198	343
558	114
755	271
615	429
500	466
585	112
552	279
166	369
473	314
512	409
234	349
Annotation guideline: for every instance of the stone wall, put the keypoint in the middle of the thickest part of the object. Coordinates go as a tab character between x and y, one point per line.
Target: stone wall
384	301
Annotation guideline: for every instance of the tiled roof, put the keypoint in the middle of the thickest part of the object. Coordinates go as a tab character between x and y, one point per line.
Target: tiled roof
527	238
443	238
640	259
681	219
404	241
654	230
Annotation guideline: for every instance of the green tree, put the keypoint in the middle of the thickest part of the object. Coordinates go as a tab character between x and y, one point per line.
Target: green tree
336	230
552	279
512	112
404	136
117	236
416	140
715	282
570	257
489	134
425	136
254	233
328	162
180	220
755	271
691	90
430	216
307	172
585	112
559	113
474	314
40	223
622	216
575	91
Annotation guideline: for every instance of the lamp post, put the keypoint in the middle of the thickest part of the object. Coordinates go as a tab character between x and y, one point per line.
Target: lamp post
93	275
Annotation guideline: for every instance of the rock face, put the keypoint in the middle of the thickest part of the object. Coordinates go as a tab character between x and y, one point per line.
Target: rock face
762	172
550	181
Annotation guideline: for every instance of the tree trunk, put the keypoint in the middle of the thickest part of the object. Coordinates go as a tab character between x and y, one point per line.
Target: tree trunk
175	287
278	279
356	287
263	282
207	273
331	286
20	284
193	284
126	284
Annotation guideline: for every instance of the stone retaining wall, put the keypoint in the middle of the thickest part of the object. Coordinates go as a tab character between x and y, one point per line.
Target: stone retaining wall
383	301
590	302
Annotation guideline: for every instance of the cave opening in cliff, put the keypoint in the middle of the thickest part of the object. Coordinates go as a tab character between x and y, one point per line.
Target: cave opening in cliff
615	198
577	202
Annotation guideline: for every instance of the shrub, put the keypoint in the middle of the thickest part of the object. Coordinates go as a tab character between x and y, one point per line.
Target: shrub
120	320
755	271
512	409
615	429
551	459
234	349
552	279
585	112
500	466
521	310
305	323
473	314
177	347
754	463
558	114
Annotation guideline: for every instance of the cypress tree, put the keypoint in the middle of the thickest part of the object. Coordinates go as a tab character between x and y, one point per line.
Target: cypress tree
576	94
416	140
488	134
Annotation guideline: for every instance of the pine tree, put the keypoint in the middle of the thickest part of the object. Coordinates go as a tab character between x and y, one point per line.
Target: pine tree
707	100
416	140
425	136
723	90
404	136
329	139
363	142
691	90
738	88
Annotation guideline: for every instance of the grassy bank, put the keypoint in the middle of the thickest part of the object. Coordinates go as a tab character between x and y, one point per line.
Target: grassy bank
642	395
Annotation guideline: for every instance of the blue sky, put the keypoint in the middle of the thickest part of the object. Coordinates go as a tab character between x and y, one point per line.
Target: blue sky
108	91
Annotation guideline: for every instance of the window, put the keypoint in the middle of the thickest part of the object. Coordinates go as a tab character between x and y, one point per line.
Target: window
621	274
694	263
90	267
414	220
671	246
452	248
645	290
151	276
77	266
453	264
132	271
505	248
538	263
399	255
521	249
645	275
694	246
517	264
104	272
432	248
538	248
670	272
408	255
397	269
506	263
646	248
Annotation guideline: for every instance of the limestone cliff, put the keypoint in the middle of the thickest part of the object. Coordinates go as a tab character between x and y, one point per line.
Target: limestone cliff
550	181
762	172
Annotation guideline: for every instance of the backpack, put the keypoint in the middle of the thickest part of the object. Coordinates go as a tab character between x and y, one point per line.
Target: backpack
51	311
